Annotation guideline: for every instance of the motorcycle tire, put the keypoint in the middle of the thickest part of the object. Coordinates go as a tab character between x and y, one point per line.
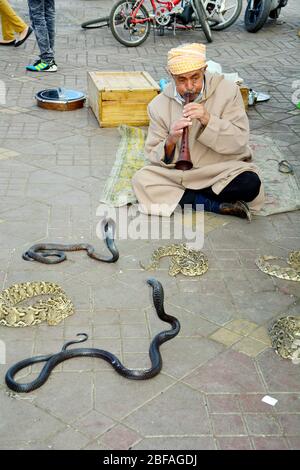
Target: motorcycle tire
97	23
255	21
226	24
202	17
274	14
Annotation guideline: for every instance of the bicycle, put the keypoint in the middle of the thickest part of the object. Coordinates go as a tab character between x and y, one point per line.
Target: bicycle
220	15
130	22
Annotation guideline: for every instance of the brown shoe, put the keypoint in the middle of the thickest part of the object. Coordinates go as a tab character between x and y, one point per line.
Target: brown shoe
238	209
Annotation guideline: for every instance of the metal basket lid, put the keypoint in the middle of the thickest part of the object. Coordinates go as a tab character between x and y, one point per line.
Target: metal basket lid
60	95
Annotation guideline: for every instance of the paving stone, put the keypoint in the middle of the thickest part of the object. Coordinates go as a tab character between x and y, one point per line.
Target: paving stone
259	281
261	334
106	317
176	443
32	422
254	404
123	296
182	355
262	425
242	327
294	443
93	424
133	316
96	445
68	439
230	372
226	337
269	443
22	445
223	403
135	345
287	402
110	387
43	332
120	438
228	424
11	334
15	351
290	424
180	400
234	443
262	306
216	309
14	233
57	395
249	346
134	331
34	211
279	374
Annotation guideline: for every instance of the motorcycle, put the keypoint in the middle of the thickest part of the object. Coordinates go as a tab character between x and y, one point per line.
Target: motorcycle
258	11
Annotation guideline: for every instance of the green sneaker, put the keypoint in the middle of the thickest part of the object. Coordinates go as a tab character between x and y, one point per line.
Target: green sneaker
42	66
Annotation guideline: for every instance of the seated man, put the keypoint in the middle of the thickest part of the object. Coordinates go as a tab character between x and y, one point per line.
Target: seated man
222	178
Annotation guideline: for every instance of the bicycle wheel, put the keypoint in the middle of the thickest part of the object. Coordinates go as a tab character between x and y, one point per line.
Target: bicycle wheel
124	30
221	17
256	17
97	23
202	17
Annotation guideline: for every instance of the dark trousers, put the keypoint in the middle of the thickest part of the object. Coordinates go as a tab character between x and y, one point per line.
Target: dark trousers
245	187
42	16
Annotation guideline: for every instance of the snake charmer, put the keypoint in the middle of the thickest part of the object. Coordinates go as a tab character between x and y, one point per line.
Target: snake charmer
223	178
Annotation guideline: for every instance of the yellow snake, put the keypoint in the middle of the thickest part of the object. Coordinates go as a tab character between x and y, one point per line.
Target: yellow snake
290	273
285	338
53	309
184	260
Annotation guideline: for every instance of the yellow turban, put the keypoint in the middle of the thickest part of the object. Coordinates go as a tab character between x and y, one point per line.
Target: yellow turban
186	58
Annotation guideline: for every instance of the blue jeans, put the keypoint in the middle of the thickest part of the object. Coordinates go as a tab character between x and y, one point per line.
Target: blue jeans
42	16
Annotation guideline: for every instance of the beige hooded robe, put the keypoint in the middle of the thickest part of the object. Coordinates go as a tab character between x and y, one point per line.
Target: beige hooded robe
219	152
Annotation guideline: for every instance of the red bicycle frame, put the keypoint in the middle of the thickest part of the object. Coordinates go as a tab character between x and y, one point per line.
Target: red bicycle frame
168	5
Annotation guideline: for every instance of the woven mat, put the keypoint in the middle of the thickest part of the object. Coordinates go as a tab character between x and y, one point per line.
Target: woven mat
282	190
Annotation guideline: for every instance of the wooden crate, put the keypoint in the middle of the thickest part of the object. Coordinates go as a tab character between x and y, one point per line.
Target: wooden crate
245	95
121	97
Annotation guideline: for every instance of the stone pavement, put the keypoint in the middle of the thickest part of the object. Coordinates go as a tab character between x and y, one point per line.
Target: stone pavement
215	373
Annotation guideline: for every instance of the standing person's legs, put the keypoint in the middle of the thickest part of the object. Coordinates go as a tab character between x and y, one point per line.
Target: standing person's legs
11	22
37	15
50	21
7	29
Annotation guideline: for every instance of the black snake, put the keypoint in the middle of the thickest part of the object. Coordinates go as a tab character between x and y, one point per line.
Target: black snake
42	252
52	360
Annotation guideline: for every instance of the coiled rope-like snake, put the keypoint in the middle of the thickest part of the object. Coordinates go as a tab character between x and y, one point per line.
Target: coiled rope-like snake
52	360
43	252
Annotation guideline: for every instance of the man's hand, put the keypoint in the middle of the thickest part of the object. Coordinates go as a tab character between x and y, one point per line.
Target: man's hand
175	133
196	111
177	129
